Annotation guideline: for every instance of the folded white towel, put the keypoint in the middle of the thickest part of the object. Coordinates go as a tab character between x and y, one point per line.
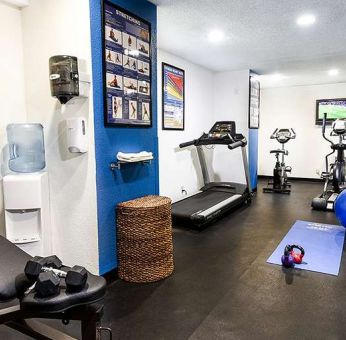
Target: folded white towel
134	157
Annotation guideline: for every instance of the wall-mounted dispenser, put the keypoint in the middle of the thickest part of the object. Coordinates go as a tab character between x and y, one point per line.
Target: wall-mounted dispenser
66	81
77	140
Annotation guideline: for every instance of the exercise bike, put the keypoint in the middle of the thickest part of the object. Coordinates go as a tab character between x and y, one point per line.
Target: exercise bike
334	176
280	184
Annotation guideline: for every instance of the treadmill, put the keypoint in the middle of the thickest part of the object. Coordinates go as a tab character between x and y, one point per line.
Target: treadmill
215	198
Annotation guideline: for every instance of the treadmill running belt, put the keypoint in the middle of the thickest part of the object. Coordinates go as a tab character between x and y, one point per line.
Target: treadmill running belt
201	201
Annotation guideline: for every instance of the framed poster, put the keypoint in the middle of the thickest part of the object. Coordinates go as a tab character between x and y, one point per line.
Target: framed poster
254	102
173	98
126	68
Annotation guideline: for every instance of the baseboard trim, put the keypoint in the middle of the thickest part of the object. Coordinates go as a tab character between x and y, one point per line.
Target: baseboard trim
111	276
295	179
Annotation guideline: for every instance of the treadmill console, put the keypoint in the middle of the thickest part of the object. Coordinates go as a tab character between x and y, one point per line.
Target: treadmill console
223	133
222	130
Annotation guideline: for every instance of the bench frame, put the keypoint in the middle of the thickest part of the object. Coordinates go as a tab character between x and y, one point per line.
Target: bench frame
90	316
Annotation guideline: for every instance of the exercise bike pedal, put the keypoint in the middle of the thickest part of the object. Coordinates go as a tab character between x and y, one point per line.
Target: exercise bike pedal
288	169
325	175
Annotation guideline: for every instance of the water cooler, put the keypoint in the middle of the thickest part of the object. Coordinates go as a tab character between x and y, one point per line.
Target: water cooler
26	190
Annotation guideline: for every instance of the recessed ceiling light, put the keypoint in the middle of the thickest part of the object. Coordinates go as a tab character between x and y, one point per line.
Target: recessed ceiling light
276	76
333	72
306	20
216	36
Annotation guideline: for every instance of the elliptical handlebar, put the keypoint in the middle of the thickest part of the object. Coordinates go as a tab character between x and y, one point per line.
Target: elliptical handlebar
324	123
324	129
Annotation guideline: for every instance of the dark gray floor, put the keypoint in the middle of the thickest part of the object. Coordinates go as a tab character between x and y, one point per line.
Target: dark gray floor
222	287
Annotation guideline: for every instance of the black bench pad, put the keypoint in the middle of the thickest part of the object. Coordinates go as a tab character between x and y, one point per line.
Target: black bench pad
12	263
94	290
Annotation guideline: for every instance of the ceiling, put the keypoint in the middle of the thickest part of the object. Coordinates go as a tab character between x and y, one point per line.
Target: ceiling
261	35
16	3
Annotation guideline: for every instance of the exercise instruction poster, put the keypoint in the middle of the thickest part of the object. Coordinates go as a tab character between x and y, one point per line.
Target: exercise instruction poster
173	81
254	107
127	68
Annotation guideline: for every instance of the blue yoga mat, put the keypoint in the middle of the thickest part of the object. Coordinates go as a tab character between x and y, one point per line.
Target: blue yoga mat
323	244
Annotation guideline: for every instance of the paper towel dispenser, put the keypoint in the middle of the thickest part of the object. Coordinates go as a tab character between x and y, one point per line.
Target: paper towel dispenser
66	80
64	77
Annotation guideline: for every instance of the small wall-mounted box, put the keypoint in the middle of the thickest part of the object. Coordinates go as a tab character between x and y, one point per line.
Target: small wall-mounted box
77	137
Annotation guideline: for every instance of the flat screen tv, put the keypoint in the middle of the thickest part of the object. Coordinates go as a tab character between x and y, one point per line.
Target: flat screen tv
335	108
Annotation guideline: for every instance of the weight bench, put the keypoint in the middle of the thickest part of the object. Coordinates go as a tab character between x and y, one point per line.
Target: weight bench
17	310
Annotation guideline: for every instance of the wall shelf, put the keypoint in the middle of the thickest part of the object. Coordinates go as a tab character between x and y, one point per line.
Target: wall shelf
117	165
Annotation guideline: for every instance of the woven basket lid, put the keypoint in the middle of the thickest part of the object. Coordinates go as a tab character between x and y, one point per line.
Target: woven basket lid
150	201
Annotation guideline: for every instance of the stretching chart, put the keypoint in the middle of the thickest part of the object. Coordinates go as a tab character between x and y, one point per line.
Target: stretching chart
127	63
173	97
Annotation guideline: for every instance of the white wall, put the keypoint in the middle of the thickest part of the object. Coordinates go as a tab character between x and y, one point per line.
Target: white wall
209	97
231	102
294	107
12	95
180	168
53	27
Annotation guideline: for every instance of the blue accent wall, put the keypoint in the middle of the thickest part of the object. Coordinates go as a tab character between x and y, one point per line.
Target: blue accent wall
253	156
133	180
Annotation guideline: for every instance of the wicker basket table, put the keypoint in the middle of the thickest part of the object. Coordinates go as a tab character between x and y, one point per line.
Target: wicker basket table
144	237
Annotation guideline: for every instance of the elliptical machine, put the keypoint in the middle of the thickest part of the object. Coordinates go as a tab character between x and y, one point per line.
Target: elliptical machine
335	174
280	184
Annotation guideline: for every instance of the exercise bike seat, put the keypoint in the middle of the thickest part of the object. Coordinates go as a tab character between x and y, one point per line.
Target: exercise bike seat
278	151
13	284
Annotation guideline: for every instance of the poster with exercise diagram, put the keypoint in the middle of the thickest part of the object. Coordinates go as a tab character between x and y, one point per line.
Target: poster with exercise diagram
173	97
127	68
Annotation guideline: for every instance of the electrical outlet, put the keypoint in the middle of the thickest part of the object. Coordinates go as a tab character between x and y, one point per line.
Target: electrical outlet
183	191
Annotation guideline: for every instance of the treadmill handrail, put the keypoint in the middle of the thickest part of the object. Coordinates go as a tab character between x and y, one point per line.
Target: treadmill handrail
237	144
186	144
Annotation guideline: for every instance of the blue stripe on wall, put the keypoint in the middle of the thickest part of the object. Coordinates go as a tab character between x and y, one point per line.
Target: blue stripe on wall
253	156
133	180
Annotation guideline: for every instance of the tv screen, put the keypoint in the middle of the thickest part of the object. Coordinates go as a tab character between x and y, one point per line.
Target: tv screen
335	108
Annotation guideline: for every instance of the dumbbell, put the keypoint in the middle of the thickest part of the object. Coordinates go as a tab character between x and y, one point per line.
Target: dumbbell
47	284
36	269
34	266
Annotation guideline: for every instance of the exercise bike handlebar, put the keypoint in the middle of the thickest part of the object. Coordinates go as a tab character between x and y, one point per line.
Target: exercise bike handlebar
293	134
276	135
273	134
